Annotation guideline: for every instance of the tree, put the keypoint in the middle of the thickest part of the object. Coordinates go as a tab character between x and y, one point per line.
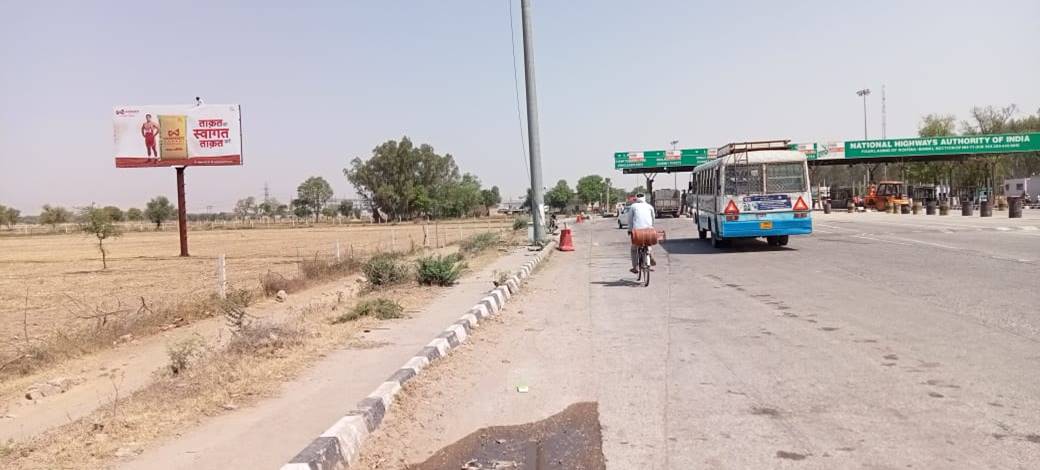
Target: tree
9	216
559	196
345	208
490	198
54	215
313	193
402	180
591	188
937	125
134	214
301	209
159	210
114	213
99	223
637	190
246	207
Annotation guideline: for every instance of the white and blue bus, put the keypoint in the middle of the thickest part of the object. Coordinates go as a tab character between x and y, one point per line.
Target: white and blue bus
751	190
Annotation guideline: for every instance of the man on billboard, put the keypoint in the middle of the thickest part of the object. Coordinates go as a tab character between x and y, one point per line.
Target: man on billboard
150	130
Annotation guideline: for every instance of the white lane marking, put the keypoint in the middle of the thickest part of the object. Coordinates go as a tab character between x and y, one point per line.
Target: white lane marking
880	240
1030	228
937	245
1004	229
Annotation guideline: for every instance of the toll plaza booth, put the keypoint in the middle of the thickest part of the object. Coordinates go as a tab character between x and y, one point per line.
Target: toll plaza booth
651	163
879	153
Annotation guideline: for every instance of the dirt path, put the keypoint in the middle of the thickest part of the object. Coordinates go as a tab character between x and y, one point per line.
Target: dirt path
98	379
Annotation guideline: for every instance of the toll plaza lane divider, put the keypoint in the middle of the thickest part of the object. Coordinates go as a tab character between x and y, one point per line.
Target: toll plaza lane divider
340	445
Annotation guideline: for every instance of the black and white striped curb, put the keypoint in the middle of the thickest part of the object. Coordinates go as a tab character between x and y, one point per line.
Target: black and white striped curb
340	445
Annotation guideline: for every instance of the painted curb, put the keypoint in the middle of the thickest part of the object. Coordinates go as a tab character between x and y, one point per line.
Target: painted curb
340	445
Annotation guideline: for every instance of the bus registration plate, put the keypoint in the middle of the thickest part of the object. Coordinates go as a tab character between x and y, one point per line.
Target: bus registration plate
765	225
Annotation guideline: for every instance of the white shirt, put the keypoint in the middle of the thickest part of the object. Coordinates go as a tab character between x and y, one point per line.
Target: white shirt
640	215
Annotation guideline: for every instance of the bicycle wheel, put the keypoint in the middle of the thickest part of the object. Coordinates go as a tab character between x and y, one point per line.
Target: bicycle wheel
644	266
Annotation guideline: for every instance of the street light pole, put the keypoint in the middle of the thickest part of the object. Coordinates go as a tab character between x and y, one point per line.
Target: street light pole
864	93
534	146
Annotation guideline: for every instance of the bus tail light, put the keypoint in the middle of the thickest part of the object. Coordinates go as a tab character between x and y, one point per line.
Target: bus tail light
732	212
801	215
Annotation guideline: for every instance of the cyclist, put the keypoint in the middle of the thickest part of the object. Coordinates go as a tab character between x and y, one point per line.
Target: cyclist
640	217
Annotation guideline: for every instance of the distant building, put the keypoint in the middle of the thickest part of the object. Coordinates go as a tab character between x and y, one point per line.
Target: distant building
511	207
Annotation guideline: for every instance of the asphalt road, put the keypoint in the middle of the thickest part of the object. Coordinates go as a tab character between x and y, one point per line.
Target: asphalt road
881	341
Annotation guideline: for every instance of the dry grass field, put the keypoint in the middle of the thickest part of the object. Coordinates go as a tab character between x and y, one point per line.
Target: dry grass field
47	280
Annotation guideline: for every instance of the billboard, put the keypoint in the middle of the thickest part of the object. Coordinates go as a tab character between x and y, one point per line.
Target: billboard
660	158
944	145
177	135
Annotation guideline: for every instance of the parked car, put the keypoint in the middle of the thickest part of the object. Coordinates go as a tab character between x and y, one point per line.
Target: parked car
622	218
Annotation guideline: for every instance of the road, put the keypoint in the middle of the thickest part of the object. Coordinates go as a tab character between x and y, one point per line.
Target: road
881	341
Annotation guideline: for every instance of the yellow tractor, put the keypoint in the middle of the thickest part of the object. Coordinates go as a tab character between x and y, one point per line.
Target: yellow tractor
885	194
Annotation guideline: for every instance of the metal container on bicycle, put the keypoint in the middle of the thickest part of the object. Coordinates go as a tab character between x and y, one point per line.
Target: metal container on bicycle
644	237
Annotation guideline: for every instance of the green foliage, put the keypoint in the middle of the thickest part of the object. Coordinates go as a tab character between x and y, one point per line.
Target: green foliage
9	215
490	197
385	269
246	207
345	208
935	125
54	215
591	188
559	196
439	270
404	181
134	214
185	353
99	223
520	223
313	193
329	211
114	213
383	309
159	210
480	242
301	209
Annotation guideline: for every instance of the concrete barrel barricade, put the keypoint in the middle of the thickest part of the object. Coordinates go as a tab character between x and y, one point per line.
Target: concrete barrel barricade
929	207
1014	207
985	209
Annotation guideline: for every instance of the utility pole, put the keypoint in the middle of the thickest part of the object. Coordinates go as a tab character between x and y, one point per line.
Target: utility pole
267	192
537	209
864	93
884	133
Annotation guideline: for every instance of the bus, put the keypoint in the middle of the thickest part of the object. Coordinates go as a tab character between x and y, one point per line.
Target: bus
752	190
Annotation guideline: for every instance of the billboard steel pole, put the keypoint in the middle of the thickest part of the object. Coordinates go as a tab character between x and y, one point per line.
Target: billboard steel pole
182	212
532	124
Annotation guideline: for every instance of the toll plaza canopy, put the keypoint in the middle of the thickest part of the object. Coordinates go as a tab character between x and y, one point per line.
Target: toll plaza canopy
911	149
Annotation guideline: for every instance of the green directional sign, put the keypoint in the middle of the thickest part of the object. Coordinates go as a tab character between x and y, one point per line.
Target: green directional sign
660	158
946	145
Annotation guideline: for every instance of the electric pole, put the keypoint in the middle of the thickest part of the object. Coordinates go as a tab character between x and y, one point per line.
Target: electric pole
267	192
537	209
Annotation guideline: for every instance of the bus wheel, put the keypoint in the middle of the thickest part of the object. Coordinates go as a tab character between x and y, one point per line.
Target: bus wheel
716	241
702	234
782	240
772	241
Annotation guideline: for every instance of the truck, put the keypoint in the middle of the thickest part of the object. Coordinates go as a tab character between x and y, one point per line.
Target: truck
1026	188
667	201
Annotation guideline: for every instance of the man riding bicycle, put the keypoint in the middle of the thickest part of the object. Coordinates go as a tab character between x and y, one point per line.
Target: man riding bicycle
640	217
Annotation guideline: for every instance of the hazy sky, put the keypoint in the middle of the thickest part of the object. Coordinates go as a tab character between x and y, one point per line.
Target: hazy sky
323	82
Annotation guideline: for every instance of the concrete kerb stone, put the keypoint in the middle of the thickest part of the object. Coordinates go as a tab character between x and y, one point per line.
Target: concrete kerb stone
340	445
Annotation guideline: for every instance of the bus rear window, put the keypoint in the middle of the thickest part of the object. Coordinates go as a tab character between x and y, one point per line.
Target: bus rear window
743	179
785	178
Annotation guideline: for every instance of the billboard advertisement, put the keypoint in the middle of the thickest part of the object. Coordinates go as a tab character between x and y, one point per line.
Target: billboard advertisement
177	135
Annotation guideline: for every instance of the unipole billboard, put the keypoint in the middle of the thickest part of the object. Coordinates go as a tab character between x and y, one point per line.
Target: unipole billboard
152	136
177	135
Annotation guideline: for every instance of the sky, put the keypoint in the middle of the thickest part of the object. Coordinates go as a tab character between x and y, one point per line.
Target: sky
321	83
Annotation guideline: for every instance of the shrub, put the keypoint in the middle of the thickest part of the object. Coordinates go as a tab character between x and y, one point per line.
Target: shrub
257	339
480	242
320	269
439	270
520	223
272	282
184	353
383	309
385	269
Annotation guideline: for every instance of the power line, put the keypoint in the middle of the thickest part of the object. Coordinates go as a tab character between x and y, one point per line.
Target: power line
516	91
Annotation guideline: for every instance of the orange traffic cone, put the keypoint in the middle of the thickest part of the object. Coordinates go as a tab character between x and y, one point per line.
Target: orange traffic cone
566	240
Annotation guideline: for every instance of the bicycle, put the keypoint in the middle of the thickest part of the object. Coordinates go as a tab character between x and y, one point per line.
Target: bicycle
644	265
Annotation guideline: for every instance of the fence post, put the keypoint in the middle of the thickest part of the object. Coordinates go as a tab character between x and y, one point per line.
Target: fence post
221	278
393	238
460	233
337	251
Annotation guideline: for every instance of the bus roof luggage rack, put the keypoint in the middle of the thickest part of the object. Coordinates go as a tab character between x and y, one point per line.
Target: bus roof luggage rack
735	147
